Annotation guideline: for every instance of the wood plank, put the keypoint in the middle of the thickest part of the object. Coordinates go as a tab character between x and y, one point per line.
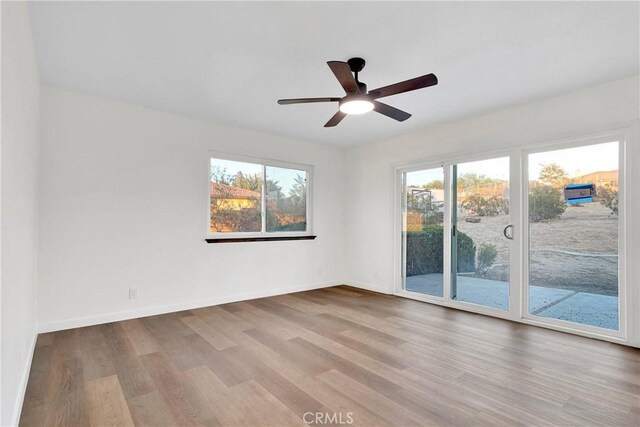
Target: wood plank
218	340
132	375
149	410
306	359
344	291
288	393
140	337
44	339
336	401
106	403
95	353
249	404
36	393
277	325
355	371
301	304
67	406
375	402
182	401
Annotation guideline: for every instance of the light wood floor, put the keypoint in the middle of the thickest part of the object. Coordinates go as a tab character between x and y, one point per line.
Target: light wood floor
376	359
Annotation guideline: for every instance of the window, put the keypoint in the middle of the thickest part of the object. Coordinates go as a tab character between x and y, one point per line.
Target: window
256	198
423	231
573	244
286	199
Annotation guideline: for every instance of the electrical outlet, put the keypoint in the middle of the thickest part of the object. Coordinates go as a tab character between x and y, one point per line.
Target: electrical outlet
133	293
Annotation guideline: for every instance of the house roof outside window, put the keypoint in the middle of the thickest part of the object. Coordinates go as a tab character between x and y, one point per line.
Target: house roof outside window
224	191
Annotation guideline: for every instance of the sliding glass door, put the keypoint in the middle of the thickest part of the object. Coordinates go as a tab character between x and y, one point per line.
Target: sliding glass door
573	235
532	236
423	231
481	232
457	233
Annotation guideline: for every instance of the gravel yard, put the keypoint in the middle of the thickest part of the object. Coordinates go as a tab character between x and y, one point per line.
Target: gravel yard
576	252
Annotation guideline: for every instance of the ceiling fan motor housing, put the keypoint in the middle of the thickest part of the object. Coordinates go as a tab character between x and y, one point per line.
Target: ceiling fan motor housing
356	64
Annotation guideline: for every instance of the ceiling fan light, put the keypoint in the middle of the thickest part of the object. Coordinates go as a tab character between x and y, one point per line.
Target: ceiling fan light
356	106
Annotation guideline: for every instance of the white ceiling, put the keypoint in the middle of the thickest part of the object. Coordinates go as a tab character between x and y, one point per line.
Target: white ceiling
229	62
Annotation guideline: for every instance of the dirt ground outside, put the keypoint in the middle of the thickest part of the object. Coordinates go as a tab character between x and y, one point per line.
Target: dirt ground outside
578	251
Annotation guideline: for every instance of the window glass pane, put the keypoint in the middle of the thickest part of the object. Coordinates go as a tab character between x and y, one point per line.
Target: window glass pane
573	235
235	196
480	249
423	231
286	199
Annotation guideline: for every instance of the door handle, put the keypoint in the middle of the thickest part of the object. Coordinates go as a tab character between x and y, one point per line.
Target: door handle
505	232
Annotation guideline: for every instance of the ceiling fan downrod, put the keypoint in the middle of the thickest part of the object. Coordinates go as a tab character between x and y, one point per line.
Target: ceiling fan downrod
356	65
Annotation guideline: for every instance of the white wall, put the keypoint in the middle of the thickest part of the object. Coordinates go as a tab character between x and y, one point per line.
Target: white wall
124	204
369	219
19	165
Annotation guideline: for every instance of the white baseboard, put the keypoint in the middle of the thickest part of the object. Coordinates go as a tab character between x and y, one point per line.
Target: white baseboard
17	410
369	287
80	322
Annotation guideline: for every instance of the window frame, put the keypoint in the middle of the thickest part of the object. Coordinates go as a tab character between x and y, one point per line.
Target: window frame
263	234
622	332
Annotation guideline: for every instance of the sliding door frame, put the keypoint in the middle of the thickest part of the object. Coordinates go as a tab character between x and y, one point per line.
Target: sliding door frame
621	333
400	218
518	193
446	163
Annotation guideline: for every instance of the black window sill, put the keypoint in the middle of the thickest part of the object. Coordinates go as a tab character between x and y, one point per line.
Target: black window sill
259	239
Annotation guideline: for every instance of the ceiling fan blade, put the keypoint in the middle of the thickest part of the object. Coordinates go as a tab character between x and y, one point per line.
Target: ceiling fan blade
342	72
337	118
390	111
306	100
405	86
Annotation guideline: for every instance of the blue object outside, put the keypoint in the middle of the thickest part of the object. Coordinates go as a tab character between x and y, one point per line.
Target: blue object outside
579	193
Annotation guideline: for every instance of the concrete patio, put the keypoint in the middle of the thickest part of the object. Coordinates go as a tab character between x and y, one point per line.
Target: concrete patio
579	307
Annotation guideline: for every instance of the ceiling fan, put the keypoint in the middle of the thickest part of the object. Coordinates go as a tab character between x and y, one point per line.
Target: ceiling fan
358	100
